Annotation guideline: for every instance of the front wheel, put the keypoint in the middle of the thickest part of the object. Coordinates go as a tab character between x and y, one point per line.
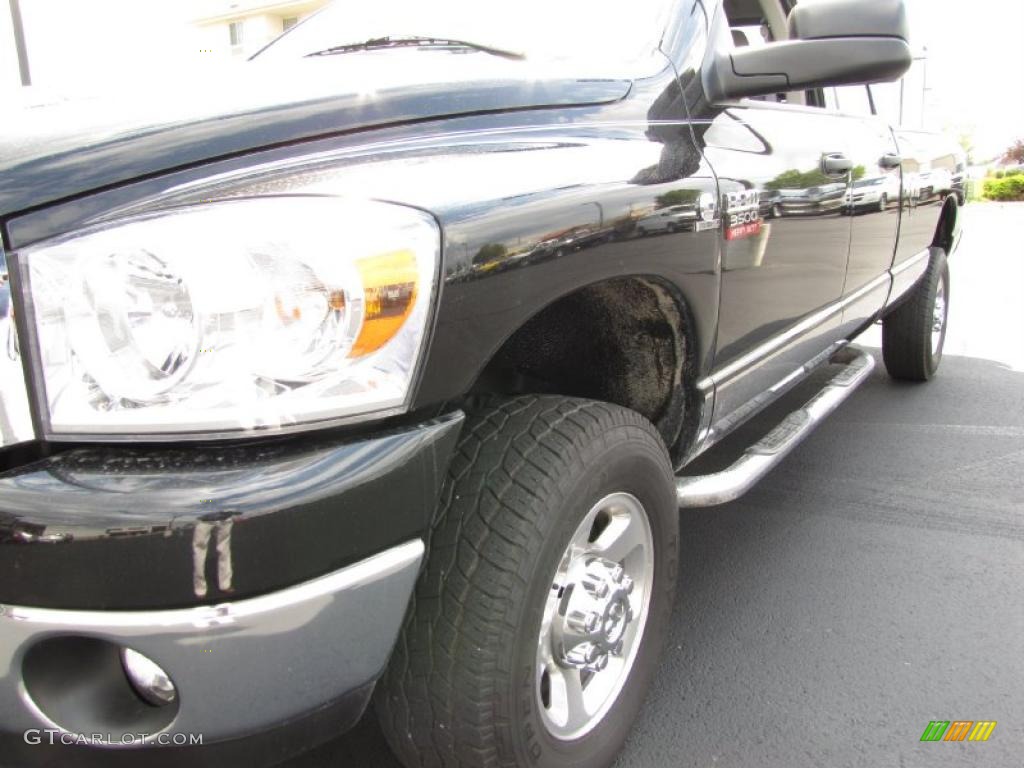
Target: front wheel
914	334
537	623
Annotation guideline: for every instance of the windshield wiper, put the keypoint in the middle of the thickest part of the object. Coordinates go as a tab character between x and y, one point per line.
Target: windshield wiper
383	43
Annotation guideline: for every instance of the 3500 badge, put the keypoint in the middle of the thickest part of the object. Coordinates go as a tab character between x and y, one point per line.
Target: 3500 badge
742	214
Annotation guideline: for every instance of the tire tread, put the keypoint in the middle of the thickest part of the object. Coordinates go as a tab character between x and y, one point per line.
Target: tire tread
906	334
509	459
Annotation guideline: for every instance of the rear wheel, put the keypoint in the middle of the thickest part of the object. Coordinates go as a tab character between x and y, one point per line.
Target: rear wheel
914	334
538	621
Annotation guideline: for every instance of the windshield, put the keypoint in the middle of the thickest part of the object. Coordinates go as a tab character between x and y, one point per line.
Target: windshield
537	29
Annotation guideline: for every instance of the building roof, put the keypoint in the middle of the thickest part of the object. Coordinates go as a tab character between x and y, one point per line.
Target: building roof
215	11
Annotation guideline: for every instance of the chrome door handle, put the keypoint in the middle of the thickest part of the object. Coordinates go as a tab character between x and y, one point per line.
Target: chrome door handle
836	164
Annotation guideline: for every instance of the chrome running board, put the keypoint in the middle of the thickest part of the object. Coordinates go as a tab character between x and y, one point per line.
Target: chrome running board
759	459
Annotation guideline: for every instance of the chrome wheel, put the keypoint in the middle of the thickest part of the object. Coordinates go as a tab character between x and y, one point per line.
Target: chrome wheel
938	318
595	615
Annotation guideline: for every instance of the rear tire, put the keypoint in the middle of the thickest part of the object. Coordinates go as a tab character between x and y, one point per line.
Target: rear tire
914	334
466	683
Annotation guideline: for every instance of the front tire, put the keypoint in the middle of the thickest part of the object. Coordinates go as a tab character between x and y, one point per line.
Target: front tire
914	334
525	608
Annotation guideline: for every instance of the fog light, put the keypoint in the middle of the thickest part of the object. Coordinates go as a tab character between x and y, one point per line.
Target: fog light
150	682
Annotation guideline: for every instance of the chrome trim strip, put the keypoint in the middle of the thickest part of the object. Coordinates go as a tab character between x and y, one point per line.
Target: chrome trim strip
776	343
763	456
721	429
157	438
371	569
865	289
903	266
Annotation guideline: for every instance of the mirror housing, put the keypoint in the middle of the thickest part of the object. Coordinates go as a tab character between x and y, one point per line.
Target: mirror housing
832	42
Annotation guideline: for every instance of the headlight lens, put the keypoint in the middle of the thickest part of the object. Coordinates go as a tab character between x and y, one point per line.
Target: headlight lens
264	313
132	322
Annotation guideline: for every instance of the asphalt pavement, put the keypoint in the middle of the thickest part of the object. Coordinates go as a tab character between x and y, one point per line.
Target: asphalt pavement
872	583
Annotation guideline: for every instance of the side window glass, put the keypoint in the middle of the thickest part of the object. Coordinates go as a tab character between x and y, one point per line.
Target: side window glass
750	36
831	99
815	98
886	97
853	100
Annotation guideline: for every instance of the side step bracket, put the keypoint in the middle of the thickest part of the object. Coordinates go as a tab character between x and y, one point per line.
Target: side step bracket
762	456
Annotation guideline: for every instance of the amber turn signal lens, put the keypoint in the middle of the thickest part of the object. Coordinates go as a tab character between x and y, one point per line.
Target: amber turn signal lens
389	285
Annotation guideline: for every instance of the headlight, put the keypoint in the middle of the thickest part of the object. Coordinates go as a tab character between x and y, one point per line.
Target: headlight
263	313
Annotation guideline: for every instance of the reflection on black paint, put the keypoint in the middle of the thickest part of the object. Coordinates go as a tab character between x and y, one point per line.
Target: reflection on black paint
139	519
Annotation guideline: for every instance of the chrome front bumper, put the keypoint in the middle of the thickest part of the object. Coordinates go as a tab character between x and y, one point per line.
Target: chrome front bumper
238	667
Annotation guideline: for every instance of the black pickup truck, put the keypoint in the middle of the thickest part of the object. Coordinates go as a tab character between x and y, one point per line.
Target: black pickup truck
374	370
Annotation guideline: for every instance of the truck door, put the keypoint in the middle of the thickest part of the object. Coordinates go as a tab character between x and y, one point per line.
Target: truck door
873	203
783	169
930	172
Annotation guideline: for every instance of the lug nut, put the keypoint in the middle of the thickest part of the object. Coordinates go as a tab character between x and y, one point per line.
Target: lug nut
597	588
616	650
583	655
617	573
588	656
583	623
626	584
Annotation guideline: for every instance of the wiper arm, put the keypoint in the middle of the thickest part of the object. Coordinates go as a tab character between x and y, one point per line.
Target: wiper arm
383	43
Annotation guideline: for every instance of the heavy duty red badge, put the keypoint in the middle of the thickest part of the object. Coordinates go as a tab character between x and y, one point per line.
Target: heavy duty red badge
742	214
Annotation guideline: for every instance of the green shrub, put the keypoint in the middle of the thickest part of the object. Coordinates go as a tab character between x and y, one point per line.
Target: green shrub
1007	189
999	174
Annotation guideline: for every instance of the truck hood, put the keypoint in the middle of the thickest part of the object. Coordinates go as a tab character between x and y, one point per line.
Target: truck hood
53	148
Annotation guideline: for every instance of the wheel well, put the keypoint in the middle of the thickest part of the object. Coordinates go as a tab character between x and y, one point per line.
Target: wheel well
946	229
622	341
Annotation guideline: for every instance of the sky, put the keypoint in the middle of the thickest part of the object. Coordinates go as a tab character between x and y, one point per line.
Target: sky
975	68
975	54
